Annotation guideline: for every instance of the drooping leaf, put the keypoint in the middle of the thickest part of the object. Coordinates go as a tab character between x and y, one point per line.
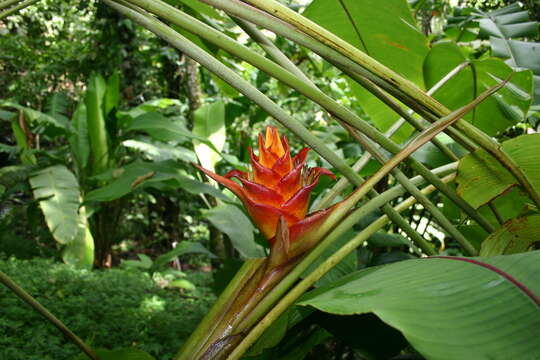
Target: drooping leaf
140	174
209	123
57	190
56	125
233	222
502	110
481	178
387	33
184	247
161	128
516	236
448	308
158	151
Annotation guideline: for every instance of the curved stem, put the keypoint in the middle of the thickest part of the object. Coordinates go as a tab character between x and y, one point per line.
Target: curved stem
12	10
34	304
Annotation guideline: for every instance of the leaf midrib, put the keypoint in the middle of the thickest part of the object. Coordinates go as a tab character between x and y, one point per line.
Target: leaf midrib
522	287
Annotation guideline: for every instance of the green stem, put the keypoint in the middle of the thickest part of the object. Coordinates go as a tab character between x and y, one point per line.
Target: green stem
356	55
272	50
206	327
244	11
14	9
310	279
414	191
34	304
247	89
359	165
8	3
394	84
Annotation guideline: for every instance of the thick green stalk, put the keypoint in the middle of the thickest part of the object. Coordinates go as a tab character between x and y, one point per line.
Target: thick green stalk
378	92
356	55
12	10
34	304
206	327
322	269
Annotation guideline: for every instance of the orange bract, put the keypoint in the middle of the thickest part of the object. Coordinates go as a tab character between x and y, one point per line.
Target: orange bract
278	185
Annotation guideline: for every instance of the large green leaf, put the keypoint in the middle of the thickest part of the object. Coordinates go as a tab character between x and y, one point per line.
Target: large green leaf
503	27
161	128
517	235
387	33
449	308
481	178
142	174
209	123
233	222
57	190
58	125
159	151
505	108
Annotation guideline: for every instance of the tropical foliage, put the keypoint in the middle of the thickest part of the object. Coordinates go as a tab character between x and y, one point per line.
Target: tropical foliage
420	242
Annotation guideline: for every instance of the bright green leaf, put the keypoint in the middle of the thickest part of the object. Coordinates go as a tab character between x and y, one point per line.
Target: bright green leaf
449	308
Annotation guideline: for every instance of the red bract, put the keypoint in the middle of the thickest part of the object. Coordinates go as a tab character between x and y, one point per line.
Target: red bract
278	185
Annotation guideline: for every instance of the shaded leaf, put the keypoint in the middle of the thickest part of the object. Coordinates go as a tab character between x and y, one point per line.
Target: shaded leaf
185	247
516	236
233	222
158	151
138	175
481	178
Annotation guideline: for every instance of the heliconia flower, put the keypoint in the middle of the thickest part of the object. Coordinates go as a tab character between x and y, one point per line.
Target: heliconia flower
277	187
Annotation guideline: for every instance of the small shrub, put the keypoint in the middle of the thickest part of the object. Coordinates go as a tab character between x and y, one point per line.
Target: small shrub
111	308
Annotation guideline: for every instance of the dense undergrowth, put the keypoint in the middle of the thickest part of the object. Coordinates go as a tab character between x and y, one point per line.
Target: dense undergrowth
112	309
